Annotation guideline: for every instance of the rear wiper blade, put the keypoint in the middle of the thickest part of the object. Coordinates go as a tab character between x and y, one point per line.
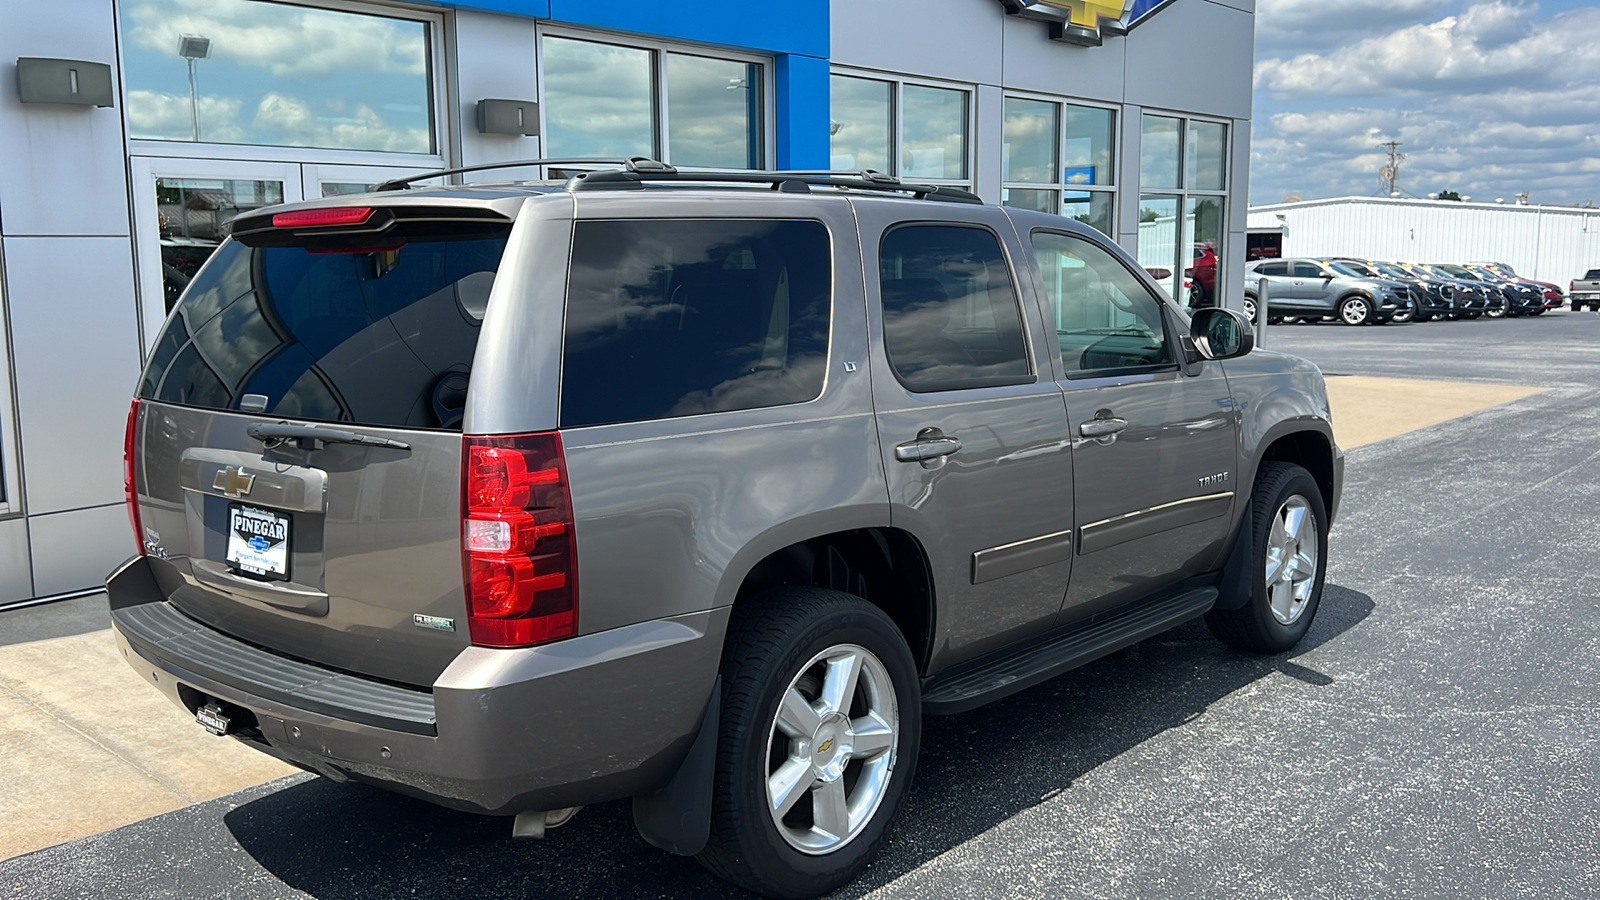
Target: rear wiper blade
310	437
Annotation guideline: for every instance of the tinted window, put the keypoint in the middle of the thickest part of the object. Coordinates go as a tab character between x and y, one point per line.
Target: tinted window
673	317
950	317
380	338
1105	316
1307	270
1273	268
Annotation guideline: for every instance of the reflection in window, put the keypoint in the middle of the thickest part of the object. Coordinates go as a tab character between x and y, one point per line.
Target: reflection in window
713	112
1024	198
1158	152
670	318
191	213
862	120
1092	209
935	133
909	130
598	100
1105	317
950	316
240	72
1029	154
1207	153
1087	151
1159	242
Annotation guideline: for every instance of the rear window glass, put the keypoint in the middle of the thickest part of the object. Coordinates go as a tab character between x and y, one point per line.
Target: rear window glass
675	317
379	338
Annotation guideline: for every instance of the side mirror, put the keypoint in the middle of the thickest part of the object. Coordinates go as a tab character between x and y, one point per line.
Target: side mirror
1221	333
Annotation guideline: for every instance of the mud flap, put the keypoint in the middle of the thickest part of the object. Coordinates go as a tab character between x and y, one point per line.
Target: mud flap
677	817
1234	587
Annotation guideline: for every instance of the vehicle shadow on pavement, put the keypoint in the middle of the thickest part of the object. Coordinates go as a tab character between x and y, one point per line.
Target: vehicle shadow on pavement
350	842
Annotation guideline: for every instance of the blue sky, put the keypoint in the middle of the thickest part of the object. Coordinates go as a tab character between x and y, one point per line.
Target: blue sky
1489	97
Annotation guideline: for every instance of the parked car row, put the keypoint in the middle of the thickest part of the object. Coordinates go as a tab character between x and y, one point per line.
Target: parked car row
1365	291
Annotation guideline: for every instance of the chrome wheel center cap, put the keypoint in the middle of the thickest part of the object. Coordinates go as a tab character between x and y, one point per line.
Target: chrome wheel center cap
831	747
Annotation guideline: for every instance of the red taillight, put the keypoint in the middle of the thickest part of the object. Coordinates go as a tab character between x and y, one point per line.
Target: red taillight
130	488
322	218
520	559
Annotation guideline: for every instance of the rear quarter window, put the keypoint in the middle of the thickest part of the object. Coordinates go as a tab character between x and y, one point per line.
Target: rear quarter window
680	317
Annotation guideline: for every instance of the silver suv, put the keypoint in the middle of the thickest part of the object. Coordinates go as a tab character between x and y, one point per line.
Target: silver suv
1316	288
695	489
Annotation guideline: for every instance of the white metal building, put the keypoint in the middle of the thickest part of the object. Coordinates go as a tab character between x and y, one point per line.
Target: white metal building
1550	243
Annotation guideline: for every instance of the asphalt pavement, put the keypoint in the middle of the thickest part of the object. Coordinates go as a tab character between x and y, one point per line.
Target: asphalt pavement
1436	735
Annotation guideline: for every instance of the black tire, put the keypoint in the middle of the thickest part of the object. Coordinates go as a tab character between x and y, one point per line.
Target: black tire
1422	317
772	635
1253	627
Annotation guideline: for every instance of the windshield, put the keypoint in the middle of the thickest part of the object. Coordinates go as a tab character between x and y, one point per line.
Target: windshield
381	337
1397	272
1354	270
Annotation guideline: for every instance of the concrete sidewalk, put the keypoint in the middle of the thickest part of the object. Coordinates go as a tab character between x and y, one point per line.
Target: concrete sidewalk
88	746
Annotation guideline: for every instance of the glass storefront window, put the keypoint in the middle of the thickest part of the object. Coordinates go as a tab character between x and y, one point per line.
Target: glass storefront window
1158	152
191	213
241	72
1159	241
934	126
1030	143
863	117
1091	208
1070	148
910	130
1023	198
598	100
1207	153
713	112
1088	153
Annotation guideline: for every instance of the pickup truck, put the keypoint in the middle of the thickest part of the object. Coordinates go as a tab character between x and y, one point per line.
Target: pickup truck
1586	290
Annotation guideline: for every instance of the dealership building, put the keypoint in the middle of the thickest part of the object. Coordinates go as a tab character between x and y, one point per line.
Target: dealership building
132	130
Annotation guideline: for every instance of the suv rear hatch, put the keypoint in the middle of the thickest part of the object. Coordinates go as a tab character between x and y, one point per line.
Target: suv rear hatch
296	445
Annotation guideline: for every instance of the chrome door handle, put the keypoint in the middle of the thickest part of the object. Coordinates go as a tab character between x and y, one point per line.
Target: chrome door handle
1099	428
930	446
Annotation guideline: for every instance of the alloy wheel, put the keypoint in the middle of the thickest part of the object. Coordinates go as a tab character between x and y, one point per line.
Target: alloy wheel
1291	559
1354	311
831	749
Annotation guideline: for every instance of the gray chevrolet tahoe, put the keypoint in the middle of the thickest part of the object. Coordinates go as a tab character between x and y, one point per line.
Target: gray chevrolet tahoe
695	489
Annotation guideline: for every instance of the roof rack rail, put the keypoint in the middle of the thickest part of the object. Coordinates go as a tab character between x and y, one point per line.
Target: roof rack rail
396	184
639	170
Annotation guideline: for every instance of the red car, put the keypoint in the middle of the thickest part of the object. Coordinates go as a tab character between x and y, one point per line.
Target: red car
1204	273
1553	298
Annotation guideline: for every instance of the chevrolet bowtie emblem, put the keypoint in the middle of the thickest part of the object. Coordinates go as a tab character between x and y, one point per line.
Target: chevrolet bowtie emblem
233	482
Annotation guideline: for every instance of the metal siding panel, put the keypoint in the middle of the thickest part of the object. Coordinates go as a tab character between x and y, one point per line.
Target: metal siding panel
16	574
75	345
801	88
64	171
961	42
75	550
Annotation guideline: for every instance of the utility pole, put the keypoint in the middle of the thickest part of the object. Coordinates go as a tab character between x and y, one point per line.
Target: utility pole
1391	172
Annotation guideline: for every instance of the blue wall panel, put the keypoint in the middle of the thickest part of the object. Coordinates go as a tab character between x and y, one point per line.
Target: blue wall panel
801	89
800	26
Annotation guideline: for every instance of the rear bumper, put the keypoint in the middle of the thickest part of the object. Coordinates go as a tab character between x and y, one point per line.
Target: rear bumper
597	717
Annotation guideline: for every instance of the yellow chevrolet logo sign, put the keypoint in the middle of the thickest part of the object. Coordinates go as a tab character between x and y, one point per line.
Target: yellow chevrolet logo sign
1087	13
233	482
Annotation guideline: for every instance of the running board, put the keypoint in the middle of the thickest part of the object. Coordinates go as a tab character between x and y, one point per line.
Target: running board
969	689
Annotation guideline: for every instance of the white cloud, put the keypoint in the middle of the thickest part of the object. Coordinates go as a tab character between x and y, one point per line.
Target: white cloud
291	121
1491	101
287	41
1486	45
155	115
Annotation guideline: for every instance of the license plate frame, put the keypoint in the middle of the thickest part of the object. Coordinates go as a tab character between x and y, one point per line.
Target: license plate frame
258	542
